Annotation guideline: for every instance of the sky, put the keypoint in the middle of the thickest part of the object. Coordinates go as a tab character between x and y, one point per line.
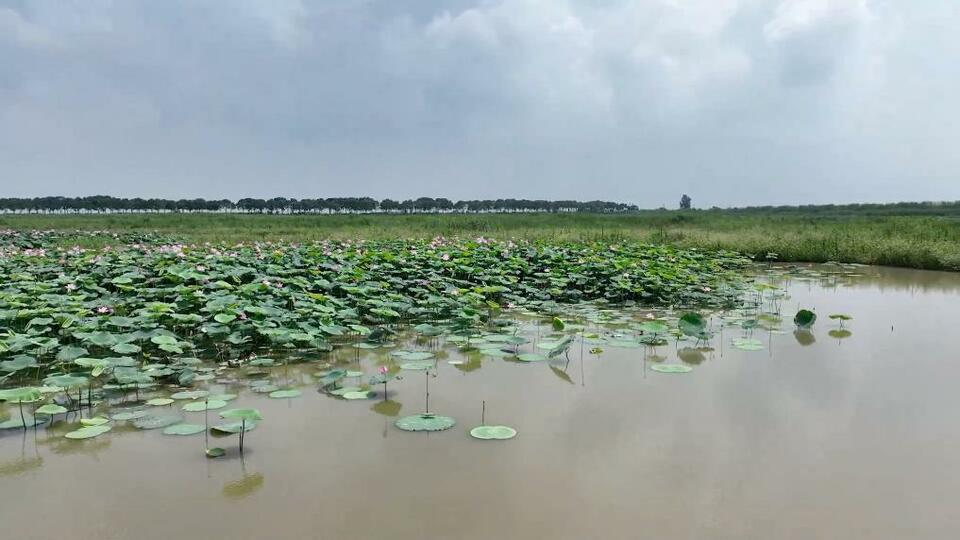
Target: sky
736	102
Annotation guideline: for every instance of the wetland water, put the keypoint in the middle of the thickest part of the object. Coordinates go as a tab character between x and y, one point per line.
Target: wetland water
810	437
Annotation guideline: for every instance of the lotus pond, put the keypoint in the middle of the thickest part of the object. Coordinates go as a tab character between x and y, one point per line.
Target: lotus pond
469	389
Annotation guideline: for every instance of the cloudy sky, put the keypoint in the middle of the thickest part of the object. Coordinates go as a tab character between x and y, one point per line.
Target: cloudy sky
736	102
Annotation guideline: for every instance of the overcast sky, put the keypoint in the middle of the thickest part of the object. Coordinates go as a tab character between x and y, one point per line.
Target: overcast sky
735	102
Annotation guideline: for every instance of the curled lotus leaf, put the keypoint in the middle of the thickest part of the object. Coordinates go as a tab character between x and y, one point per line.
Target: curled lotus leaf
234	427
805	318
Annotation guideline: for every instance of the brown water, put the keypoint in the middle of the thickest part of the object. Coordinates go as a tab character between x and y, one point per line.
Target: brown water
852	438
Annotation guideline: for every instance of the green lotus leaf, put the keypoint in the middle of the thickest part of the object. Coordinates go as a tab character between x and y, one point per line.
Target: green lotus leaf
183	429
66	381
97	421
285	394
159	402
234	427
417	366
425	422
88	432
156	421
361	394
129	415
190	394
531	357
205	405
242	414
26	394
805	318
748	344
50	409
671	368
493	432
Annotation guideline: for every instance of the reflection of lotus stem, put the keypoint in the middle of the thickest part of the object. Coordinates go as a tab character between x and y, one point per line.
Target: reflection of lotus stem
206	425
22	419
243	428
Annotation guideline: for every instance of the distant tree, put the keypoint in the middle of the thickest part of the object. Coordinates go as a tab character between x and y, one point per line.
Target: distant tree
686	202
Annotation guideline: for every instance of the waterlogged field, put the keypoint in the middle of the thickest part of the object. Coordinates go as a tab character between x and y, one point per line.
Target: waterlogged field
469	389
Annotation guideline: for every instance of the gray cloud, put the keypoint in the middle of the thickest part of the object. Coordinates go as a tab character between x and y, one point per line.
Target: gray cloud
734	101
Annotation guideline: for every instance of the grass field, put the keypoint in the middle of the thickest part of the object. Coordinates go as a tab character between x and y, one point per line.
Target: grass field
929	242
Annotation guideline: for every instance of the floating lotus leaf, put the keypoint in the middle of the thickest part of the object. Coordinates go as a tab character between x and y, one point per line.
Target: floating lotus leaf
417	366
425	422
18	363
344	390
159	402
130	415
354	374
66	381
362	394
222	397
183	429
234	427
156	421
748	344
205	405
191	394
283	394
671	368
26	394
216	452
840	333
654	327
50	409
413	356
125	348
531	357
242	414
98	421
493	432
87	432
261	362
496	353
265	388
18	423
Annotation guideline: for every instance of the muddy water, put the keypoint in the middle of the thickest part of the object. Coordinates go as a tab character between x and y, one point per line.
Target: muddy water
835	438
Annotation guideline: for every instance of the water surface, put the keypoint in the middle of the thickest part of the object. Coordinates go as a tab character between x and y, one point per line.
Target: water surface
811	437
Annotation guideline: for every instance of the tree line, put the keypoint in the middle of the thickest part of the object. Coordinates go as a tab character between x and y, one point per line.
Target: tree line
283	205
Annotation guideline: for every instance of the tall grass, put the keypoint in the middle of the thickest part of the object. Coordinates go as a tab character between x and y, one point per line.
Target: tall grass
909	241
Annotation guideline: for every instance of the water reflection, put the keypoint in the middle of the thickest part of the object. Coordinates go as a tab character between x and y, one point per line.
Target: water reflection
804	337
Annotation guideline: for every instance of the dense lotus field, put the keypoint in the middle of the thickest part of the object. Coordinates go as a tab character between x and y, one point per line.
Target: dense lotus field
144	311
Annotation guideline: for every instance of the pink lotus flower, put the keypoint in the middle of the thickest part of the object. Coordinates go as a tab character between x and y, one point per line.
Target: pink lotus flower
383	370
